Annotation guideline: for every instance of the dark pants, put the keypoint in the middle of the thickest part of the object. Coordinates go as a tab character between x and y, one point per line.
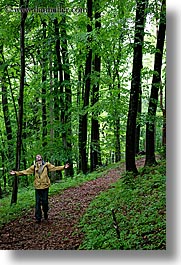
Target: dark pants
41	196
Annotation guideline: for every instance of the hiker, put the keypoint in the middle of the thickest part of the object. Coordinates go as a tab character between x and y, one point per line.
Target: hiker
41	183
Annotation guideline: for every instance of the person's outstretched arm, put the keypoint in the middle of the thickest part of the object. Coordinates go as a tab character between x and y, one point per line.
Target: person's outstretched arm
27	171
52	168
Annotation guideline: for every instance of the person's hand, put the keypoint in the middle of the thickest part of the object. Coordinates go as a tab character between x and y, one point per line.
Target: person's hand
67	165
12	172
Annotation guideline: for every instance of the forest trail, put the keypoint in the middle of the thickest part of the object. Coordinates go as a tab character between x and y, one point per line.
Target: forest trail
65	209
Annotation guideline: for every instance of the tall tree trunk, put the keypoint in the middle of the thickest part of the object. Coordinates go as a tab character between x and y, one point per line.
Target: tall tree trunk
83	119
58	91
66	122
6	108
6	117
51	110
113	72
79	96
117	135
117	124
44	77
51	106
95	157
135	85
58	76
150	126
23	4
95	154
138	126
163	108
3	161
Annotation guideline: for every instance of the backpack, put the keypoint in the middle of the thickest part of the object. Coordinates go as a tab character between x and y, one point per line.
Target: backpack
43	163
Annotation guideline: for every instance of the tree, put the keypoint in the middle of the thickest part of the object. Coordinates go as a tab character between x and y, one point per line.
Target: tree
156	82
7	120
43	91
84	117
23	4
66	113
138	126
163	108
135	85
95	156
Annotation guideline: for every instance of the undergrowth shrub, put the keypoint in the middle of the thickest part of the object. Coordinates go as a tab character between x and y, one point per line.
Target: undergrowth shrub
139	206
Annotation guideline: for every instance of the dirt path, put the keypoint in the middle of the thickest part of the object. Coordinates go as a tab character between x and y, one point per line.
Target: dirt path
60	231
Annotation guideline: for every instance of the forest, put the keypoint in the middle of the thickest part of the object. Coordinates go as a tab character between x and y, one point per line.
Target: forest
83	82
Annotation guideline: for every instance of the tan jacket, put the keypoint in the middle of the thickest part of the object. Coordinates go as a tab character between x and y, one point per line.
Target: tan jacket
42	180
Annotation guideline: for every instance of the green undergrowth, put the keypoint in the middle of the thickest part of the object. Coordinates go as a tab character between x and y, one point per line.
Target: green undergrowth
131	215
26	196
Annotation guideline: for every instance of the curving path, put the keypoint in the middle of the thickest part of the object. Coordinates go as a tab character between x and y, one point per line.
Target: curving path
60	231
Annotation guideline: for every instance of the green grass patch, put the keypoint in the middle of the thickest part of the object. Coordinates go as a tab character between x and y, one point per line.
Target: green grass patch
138	205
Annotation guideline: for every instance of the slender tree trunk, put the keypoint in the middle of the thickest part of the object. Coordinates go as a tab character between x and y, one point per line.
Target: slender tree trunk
67	133
58	76
135	85
117	125
83	120
6	109
95	154
58	91
163	108
51	110
3	161
6	117
114	74
150	126
51	106
117	136
44	78
138	126
79	96
20	101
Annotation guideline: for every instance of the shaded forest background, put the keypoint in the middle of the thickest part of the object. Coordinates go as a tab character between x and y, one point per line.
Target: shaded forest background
81	81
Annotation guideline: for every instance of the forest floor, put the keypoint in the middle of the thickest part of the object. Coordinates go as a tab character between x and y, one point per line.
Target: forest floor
60	231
